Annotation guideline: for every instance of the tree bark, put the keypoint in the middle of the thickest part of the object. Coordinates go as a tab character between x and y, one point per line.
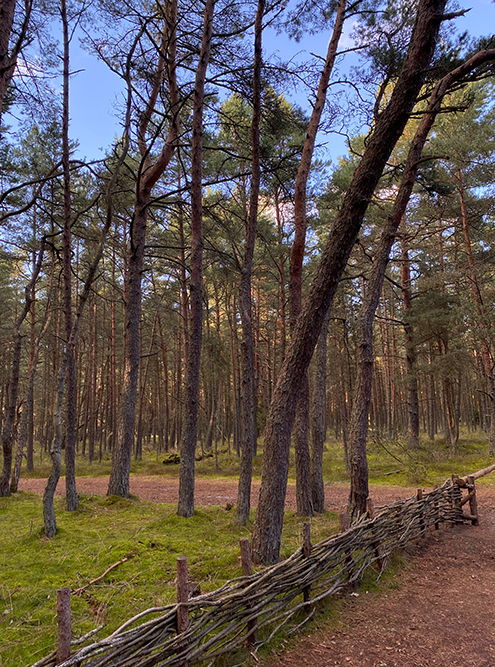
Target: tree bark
482	324
149	174
71	499
245	302
318	419
10	52
388	128
364	327
190	428
13	387
301	427
411	362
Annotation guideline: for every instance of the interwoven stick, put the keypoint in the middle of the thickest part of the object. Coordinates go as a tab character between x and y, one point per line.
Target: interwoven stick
219	619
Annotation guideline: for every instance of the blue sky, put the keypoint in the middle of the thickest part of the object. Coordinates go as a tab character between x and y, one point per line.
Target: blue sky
94	89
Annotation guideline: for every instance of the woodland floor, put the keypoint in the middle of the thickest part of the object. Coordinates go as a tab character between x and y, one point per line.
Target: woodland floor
440	612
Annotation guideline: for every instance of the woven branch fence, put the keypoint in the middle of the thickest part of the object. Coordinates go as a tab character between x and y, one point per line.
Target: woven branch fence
217	623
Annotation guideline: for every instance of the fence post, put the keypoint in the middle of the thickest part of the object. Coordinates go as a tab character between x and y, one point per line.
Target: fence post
473	503
63	624
371	515
419	498
437	523
182	599
456	498
349	562
307	548
247	571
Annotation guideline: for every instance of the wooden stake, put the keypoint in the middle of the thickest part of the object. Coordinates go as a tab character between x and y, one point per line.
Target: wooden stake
307	548
371	515
419	498
247	571
63	624
182	599
473	503
437	523
457	497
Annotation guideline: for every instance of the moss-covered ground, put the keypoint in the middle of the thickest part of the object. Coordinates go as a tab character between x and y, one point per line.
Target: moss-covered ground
151	536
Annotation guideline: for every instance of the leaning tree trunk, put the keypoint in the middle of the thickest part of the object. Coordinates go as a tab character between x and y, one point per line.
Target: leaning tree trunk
364	328
245	303
190	429
388	128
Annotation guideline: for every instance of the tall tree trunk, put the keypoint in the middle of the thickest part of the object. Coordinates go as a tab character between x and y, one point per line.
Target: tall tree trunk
71	499
190	428
388	128
245	301
301	427
50	522
27	412
318	420
411	362
483	324
149	174
13	386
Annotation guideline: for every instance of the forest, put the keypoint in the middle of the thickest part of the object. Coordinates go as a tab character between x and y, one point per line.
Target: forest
215	283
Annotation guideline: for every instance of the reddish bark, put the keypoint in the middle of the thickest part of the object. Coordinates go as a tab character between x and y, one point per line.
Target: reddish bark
190	429
388	128
245	304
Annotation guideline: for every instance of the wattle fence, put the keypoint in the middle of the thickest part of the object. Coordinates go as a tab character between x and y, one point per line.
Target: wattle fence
199	629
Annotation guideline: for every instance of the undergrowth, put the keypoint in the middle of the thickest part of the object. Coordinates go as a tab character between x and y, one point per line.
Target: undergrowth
102	532
151	536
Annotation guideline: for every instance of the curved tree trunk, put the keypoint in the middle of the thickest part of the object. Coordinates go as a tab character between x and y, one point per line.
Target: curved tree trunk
388	128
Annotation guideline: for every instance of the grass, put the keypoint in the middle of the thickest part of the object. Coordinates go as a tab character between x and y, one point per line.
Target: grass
151	536
389	462
102	532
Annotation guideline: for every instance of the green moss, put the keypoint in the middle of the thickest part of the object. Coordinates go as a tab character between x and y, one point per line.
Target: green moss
102	532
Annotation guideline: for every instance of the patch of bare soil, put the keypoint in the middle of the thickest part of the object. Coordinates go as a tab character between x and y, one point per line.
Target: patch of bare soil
441	614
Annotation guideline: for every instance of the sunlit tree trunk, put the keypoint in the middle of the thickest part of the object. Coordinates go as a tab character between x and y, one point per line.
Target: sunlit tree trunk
388	128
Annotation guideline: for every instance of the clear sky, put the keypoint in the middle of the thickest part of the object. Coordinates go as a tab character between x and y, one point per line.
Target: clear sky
94	119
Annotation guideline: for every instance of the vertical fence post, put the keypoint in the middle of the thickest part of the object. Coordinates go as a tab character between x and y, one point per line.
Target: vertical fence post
182	599
247	571
63	624
307	548
437	522
419	498
371	515
349	562
473	503
456	498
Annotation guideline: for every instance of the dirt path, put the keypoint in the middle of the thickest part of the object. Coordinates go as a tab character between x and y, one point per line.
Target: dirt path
210	492
440	614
